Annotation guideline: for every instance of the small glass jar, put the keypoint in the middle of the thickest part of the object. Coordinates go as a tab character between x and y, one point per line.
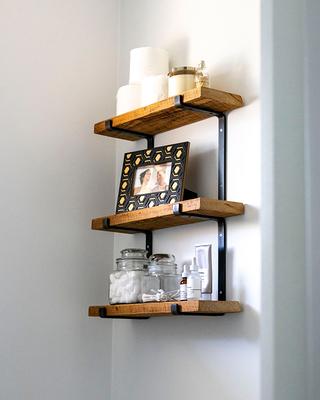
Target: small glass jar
181	79
163	265
126	281
151	283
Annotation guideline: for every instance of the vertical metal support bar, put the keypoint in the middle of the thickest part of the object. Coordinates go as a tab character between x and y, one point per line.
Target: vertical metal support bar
150	140
222	195
222	258
149	235
222	158
149	243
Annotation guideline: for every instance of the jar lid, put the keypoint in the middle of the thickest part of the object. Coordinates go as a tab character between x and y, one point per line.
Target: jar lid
134	254
133	264
162	259
155	269
184	70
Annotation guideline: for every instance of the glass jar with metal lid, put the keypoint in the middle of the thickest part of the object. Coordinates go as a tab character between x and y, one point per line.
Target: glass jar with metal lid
181	79
126	281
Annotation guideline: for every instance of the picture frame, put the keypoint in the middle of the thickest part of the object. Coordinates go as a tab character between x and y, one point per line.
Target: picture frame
153	177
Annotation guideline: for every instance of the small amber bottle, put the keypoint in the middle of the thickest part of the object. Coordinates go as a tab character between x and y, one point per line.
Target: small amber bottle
183	283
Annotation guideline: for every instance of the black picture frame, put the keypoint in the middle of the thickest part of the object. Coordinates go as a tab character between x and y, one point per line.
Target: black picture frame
160	172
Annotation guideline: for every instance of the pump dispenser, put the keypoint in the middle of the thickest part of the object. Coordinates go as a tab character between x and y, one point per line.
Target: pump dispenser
194	282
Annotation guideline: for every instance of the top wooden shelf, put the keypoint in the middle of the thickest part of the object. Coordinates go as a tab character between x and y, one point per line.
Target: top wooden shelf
169	114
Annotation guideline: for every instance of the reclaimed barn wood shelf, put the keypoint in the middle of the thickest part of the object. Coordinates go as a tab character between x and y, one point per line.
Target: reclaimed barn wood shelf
149	219
169	114
147	310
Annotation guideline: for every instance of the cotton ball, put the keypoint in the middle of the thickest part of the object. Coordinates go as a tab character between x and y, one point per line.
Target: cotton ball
131	298
112	291
123	277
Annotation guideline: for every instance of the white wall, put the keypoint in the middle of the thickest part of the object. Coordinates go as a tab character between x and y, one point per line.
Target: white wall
192	357
57	79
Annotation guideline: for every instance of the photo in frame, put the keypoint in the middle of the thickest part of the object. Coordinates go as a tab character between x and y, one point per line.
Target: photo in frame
153	177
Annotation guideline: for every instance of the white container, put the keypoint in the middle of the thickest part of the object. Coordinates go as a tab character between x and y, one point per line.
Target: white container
154	88
128	98
184	283
181	79
204	262
194	282
147	61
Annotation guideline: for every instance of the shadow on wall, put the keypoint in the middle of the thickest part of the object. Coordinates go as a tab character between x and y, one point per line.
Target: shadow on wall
232	76
199	175
243	325
179	51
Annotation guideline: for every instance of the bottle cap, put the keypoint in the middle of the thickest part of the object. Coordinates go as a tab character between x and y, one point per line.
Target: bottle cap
185	271
193	266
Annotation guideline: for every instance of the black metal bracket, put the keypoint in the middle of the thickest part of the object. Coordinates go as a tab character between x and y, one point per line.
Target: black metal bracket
138	135
103	314
149	236
222	157
222	245
177	210
222	186
222	190
179	103
176	310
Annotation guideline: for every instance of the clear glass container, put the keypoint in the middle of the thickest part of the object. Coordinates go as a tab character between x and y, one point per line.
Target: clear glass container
151	283
126	281
163	265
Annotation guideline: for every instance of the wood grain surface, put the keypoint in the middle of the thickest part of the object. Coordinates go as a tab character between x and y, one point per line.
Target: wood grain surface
164	308
165	115
161	217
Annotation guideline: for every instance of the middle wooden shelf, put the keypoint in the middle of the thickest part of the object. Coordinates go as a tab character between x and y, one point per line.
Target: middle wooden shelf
169	215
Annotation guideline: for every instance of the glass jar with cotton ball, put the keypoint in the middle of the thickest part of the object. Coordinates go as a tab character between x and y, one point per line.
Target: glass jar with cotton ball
126	281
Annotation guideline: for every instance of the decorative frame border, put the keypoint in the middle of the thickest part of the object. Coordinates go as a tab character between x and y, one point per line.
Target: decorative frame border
177	154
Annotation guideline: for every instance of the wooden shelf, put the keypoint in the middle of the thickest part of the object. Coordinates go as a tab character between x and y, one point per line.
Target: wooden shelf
160	217
166	114
191	307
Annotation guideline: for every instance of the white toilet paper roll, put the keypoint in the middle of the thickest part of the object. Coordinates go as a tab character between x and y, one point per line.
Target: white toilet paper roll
146	61
153	89
128	98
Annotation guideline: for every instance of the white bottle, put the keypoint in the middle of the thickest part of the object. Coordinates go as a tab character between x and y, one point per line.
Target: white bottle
183	283
194	282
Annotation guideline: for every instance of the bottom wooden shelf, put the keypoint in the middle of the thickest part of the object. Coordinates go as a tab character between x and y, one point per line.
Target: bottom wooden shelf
147	310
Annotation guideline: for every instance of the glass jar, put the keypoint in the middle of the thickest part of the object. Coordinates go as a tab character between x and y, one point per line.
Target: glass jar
151	282
163	265
126	281
181	79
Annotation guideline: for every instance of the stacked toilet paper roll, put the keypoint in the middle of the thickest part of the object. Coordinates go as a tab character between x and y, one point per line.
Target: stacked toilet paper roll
153	89
128	98
147	61
147	79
